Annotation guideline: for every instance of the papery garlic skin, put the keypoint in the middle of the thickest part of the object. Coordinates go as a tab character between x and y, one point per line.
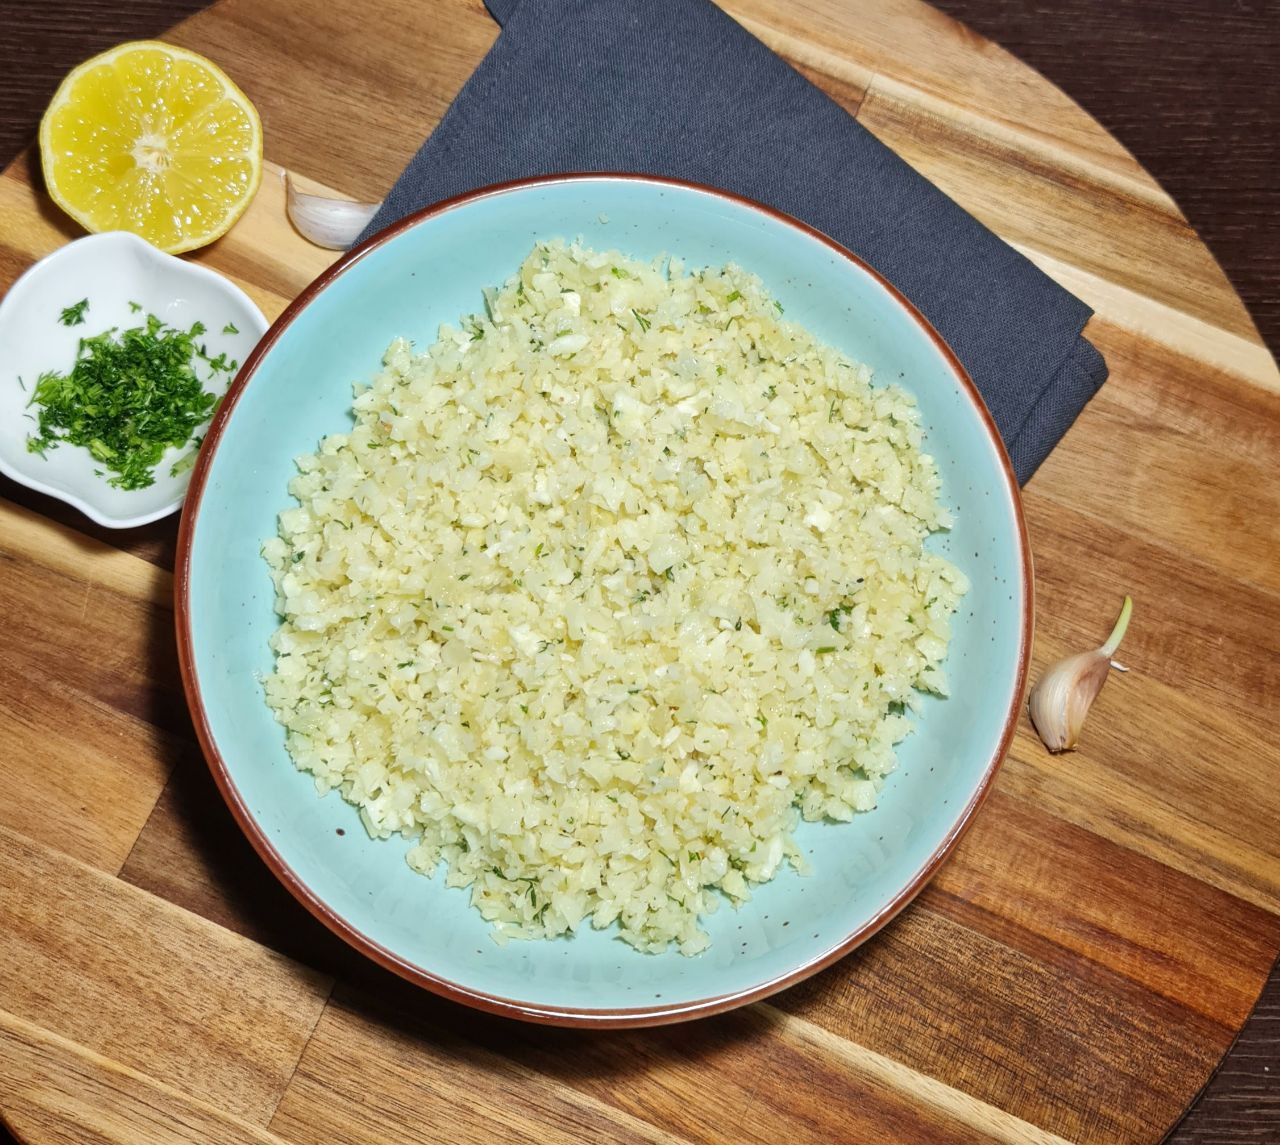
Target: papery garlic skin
1062	696
330	223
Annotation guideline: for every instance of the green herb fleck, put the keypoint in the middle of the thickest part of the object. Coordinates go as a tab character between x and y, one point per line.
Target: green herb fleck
779	307
641	319
618	272
733	296
447	627
231	328
897	707
464	576
130	396
825	650
135	307
74	315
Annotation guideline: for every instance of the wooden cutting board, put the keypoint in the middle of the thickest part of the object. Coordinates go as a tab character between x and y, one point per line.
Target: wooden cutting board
1075	971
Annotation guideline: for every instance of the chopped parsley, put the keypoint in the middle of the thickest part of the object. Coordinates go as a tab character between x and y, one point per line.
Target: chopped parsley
130	396
231	328
733	296
74	315
641	319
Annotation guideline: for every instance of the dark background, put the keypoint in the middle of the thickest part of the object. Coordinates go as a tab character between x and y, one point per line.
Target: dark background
1191	87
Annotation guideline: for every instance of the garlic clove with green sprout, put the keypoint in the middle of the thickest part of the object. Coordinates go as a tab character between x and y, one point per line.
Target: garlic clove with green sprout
330	223
1062	696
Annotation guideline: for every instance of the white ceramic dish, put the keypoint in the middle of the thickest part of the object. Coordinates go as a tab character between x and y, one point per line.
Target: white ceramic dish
110	270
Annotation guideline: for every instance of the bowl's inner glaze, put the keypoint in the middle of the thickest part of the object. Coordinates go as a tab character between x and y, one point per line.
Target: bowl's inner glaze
433	272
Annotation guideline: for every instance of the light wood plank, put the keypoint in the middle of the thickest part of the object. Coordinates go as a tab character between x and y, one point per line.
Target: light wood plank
263	254
1052	1038
369	1079
36	540
79	776
356	113
995	1124
159	990
1033	199
54	1092
733	1078
86	675
1176	453
1243	357
946	61
1176	757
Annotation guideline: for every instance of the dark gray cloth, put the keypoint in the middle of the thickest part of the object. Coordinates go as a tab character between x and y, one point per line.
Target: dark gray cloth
675	87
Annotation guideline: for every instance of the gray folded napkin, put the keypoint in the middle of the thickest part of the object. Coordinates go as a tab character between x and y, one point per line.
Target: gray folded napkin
677	88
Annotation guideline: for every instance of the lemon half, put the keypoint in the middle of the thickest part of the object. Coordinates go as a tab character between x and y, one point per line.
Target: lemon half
152	139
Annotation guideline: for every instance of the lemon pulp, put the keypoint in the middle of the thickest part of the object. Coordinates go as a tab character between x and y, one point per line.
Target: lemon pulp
154	139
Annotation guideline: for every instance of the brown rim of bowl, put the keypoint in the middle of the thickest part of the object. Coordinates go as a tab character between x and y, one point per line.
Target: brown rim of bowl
652	1015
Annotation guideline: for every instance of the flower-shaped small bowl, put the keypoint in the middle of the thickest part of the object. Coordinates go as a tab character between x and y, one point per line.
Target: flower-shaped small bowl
124	279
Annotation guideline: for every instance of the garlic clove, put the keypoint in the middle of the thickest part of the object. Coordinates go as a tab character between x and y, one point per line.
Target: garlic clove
331	223
1063	695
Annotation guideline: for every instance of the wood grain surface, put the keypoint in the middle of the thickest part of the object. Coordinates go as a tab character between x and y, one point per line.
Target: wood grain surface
1075	972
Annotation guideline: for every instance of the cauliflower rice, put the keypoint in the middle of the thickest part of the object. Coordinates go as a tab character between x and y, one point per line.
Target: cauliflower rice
607	589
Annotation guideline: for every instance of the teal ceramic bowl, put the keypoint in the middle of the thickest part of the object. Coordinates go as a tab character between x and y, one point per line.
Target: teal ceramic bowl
296	387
